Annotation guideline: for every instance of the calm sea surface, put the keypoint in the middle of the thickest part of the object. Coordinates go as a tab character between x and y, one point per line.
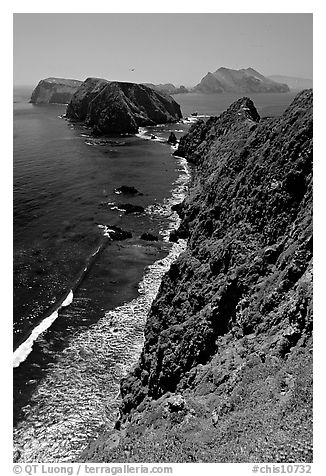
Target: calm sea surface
64	196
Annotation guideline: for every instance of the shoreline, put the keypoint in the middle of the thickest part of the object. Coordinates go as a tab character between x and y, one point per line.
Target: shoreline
91	393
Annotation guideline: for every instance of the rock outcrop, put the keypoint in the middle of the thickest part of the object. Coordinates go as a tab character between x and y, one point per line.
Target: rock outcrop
225	374
172	139
127	190
54	91
117	107
242	81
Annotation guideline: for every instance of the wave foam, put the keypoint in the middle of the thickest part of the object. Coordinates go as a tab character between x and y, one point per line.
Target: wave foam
22	352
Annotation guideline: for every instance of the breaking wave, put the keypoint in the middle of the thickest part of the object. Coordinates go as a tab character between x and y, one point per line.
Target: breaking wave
22	352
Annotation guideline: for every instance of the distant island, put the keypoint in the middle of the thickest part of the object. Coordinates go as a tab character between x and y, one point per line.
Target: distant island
226	80
54	91
295	84
223	80
119	107
167	88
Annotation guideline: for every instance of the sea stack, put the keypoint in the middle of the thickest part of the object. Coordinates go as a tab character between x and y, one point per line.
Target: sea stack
118	107
55	91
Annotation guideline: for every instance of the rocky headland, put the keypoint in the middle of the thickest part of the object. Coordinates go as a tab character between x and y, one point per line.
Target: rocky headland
118	107
225	374
54	91
242	81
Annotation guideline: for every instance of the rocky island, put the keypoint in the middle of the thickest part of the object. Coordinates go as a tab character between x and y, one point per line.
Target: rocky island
225	374
54	91
242	81
119	107
168	88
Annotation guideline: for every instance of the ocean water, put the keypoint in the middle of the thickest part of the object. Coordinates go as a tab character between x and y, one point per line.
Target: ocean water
80	299
215	104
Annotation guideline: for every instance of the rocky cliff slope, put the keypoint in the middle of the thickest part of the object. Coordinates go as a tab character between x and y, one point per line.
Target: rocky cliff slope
54	90
116	107
225	374
242	81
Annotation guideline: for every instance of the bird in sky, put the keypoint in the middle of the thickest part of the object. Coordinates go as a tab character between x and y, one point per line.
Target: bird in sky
131	69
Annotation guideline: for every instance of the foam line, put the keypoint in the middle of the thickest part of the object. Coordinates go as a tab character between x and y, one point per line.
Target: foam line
22	352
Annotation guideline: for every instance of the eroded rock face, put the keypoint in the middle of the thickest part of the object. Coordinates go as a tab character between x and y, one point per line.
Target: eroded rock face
243	81
230	330
54	90
116	107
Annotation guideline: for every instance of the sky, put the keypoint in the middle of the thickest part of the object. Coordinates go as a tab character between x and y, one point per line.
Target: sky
159	48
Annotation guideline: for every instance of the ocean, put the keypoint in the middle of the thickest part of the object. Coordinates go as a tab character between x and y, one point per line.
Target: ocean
81	299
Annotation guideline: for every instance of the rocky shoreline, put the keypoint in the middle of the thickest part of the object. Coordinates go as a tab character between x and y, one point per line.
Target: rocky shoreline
225	374
78	398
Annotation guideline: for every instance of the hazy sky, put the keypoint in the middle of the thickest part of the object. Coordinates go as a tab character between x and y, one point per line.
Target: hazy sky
177	48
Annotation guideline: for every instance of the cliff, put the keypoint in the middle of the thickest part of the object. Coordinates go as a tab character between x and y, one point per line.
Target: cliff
241	81
225	374
117	107
54	90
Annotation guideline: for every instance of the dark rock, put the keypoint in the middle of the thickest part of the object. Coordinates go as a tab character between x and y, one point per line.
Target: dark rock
178	208
129	208
117	234
117	107
173	236
271	254
149	237
176	403
54	90
172	139
127	190
153	137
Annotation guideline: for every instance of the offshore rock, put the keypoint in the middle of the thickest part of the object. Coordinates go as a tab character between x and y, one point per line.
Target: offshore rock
172	139
130	208
127	190
149	237
117	107
54	90
230	331
117	234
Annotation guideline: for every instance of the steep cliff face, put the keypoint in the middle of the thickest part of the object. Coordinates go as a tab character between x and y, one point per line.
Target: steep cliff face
116	107
54	90
225	373
242	81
